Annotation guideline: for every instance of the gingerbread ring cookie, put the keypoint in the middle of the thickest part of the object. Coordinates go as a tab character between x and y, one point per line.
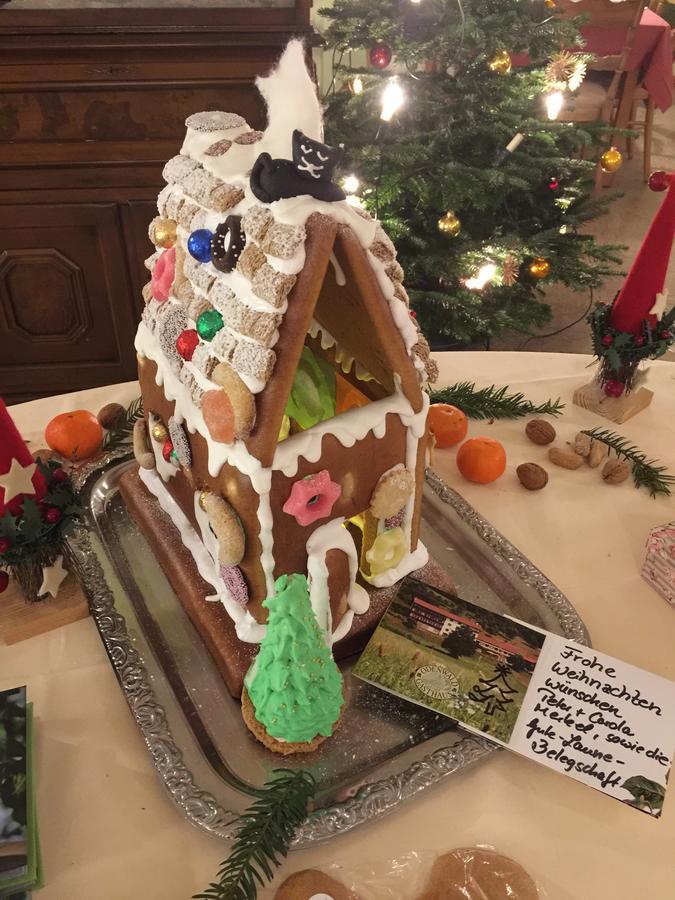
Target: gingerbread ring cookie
310	884
392	492
240	397
227	244
226	527
472	873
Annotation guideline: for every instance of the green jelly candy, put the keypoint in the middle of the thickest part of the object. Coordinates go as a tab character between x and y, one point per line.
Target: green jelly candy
209	324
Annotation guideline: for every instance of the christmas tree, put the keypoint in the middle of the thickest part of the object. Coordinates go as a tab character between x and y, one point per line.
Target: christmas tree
456	148
295	686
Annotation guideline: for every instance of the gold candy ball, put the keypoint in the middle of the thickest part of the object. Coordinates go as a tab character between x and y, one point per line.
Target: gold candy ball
159	432
539	267
202	499
449	224
611	160
501	62
165	233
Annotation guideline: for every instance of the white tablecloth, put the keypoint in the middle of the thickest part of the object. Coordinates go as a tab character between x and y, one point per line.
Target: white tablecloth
109	830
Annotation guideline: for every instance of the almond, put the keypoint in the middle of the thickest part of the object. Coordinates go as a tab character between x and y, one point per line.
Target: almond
567	459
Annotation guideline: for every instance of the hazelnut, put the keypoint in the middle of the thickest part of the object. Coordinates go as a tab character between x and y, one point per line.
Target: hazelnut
540	431
532	476
109	414
615	471
567	459
598	452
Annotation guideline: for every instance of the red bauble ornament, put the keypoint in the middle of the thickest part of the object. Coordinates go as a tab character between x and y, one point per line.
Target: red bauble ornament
380	56
607	340
4	545
167	449
639	341
186	343
554	184
658	181
4	581
52	515
614	388
58	476
664	335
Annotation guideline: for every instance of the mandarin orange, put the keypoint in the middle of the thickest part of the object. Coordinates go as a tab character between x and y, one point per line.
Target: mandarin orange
448	424
76	435
481	459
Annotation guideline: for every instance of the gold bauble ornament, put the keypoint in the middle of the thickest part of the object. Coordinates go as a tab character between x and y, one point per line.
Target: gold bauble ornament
550	4
500	62
165	233
449	224
202	499
611	160
159	432
539	267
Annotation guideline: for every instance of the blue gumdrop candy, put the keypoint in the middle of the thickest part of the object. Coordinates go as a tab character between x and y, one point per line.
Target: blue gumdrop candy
199	244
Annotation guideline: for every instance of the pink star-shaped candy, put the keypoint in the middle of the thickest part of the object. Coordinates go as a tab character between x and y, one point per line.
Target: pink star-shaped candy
312	498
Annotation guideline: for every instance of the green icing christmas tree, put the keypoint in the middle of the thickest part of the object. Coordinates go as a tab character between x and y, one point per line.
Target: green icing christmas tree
294	685
454	201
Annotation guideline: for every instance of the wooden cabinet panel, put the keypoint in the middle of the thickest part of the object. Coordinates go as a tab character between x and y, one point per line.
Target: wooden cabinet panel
92	104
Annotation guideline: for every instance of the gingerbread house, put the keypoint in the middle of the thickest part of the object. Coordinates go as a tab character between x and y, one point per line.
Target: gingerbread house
282	377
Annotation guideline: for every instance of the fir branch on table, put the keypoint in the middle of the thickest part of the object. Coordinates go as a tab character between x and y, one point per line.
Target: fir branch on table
646	473
122	430
267	829
493	402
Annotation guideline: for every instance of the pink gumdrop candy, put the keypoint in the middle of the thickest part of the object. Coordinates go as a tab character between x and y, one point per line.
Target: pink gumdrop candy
163	275
312	498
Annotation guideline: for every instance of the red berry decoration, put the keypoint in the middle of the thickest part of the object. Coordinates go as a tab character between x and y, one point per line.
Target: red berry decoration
658	181
638	340
58	476
614	388
380	56
554	184
52	515
608	340
4	545
4	581
167	449
186	343
665	335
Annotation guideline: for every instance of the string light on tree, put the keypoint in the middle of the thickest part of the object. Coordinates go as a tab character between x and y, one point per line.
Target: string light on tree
393	99
539	268
356	85
449	224
484	275
500	62
554	103
380	55
351	184
611	160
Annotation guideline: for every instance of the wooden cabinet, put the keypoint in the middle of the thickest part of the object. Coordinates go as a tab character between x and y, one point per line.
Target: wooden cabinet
92	103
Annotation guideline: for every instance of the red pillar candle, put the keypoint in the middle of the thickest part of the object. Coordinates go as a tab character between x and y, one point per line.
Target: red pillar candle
14	452
647	276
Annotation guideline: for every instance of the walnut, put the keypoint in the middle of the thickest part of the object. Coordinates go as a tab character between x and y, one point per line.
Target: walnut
615	471
540	431
532	476
567	459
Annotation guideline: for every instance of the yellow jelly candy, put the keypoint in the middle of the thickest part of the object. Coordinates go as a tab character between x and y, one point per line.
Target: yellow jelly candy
387	551
285	429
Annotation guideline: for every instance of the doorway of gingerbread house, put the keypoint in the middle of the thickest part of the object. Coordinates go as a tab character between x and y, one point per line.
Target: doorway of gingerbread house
332	569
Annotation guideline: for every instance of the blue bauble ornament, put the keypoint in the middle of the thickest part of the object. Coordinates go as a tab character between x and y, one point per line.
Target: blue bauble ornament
199	244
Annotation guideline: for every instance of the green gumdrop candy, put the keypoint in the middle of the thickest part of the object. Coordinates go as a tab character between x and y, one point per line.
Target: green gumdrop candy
312	398
209	324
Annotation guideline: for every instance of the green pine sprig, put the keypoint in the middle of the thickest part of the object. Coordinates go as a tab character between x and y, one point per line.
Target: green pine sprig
267	829
121	431
493	402
646	472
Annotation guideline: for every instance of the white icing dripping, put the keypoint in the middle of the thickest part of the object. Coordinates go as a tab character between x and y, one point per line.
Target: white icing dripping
166	469
344	625
342	358
186	411
265	521
248	630
340	277
411	561
348	428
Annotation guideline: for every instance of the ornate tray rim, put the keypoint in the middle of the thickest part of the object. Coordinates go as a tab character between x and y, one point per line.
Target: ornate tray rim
370	802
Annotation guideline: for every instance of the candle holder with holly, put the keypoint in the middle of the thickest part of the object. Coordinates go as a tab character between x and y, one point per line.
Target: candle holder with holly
636	326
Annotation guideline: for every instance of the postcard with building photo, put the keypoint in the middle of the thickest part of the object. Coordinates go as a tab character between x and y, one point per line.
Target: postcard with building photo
453	657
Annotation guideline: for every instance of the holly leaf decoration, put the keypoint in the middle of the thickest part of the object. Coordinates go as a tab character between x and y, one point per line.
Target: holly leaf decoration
31	520
8	527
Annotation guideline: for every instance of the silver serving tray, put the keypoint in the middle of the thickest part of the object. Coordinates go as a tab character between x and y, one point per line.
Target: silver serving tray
386	750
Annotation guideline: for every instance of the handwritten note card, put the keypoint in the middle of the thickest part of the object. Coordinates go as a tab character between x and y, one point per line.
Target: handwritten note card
603	722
